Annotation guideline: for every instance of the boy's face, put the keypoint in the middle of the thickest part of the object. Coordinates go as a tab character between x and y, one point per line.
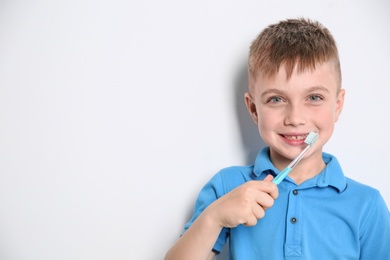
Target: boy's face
286	111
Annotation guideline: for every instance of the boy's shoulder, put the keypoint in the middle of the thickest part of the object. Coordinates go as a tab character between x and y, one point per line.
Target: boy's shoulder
245	170
233	176
362	194
237	172
360	197
359	187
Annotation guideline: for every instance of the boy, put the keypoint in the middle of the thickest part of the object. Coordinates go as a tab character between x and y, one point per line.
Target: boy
316	212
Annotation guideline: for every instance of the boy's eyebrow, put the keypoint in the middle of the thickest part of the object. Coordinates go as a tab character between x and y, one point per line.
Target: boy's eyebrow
271	91
311	89
318	88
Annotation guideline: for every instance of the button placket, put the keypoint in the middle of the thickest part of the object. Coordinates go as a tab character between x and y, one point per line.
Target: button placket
293	245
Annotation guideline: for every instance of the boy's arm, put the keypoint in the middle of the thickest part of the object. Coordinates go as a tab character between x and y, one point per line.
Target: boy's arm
243	205
197	242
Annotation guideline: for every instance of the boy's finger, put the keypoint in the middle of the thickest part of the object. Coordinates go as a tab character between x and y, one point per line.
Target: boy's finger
275	193
269	178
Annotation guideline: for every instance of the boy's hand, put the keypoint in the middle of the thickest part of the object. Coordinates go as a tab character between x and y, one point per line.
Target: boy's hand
245	204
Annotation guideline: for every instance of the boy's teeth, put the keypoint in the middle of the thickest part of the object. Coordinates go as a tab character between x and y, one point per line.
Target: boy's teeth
295	137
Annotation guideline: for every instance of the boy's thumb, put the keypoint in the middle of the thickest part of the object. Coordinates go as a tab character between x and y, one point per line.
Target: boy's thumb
269	178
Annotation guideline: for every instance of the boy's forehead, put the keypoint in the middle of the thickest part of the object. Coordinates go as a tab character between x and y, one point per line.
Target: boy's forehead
323	75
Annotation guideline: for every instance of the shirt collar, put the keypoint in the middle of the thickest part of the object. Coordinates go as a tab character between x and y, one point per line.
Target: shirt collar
263	163
332	175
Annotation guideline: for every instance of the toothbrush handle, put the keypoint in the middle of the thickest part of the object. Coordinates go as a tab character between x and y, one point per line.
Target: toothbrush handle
278	179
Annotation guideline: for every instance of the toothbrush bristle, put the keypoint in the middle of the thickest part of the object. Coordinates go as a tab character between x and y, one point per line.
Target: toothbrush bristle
311	138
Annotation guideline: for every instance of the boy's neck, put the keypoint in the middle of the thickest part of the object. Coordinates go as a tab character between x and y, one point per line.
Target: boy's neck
306	169
303	172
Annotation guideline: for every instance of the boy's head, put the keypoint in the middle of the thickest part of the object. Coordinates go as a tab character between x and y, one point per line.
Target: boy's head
294	87
289	43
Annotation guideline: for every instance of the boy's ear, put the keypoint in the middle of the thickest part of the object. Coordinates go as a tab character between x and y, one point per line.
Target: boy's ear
251	106
339	104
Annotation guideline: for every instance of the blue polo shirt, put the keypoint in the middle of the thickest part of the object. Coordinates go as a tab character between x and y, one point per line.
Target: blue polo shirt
326	217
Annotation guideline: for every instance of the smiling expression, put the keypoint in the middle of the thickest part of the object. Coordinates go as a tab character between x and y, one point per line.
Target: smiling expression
286	110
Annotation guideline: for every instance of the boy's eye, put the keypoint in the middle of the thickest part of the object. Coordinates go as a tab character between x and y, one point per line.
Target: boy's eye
275	99
315	98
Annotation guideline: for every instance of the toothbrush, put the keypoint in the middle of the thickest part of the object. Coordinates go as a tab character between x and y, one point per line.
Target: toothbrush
310	140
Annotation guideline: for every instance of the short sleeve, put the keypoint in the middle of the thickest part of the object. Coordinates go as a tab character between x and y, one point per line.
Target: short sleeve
213	190
375	231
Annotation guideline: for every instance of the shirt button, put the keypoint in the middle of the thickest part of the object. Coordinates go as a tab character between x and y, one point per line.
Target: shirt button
293	220
295	192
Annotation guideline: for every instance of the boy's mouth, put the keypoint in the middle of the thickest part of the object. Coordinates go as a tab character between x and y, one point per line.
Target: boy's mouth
295	137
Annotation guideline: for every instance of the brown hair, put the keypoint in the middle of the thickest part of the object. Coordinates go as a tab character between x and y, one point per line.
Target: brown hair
293	42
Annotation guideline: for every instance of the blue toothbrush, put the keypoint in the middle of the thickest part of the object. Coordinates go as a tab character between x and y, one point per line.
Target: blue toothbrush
310	140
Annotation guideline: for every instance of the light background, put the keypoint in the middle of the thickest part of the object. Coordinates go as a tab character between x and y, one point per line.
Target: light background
114	114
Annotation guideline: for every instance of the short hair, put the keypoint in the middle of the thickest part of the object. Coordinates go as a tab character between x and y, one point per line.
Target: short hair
293	42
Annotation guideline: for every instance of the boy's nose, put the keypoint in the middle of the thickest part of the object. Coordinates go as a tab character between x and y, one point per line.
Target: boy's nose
295	115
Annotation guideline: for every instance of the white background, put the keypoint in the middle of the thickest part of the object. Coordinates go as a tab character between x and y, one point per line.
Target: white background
114	114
